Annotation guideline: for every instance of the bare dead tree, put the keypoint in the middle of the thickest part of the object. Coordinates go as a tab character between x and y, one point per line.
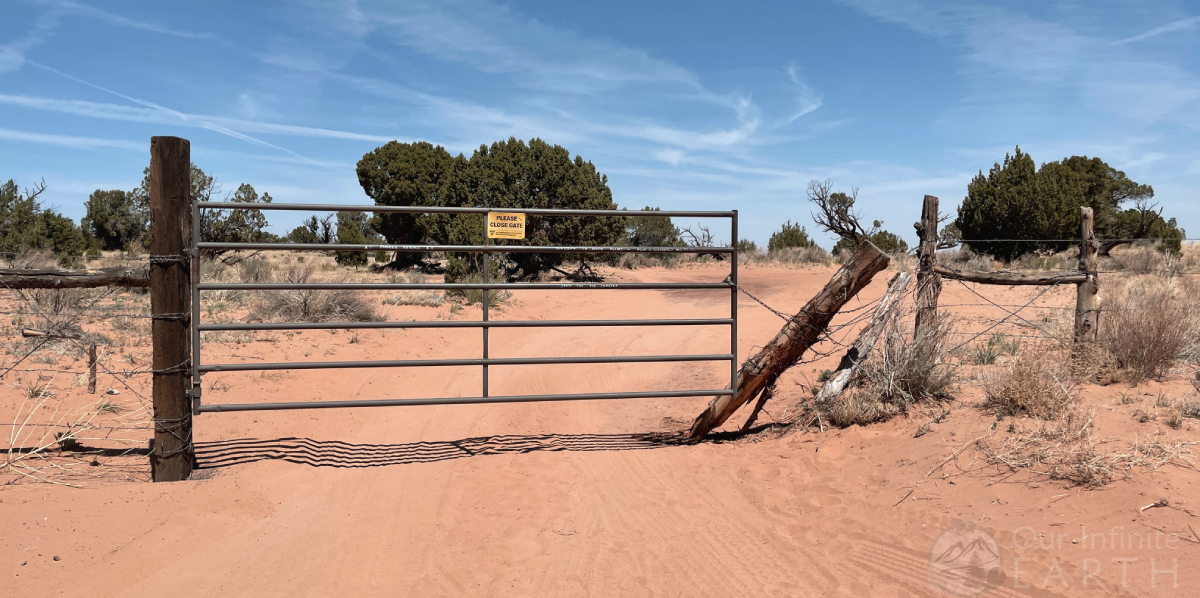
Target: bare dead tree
701	237
1147	216
949	236
835	212
33	192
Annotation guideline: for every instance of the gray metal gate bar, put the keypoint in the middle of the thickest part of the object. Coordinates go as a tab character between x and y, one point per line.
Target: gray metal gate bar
662	394
318	207
284	246
406	363
452	286
444	324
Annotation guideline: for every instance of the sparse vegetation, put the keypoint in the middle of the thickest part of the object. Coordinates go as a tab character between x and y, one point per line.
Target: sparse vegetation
1032	386
1149	324
907	370
308	305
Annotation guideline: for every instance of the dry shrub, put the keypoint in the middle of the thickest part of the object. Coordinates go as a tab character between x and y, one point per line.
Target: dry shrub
495	296
1149	324
633	261
796	256
305	305
1032	385
906	369
428	298
54	302
965	259
1145	259
254	269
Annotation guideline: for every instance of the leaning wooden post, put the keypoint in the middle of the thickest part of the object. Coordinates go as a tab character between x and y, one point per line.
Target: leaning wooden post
929	283
866	339
170	232
801	332
1087	315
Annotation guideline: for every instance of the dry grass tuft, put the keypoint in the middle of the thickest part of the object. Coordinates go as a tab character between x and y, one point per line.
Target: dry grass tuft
426	298
311	305
1032	385
1064	449
906	370
48	442
1149	324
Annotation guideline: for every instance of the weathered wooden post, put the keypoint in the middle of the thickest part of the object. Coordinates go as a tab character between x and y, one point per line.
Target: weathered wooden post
170	300
929	283
801	332
1087	315
866	339
92	369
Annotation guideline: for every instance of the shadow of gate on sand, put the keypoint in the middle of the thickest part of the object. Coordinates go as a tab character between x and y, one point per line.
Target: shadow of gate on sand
334	453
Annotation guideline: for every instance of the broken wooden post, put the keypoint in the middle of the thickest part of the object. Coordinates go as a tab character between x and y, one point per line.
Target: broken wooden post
929	282
866	339
766	395
801	332
92	369
1087	316
170	302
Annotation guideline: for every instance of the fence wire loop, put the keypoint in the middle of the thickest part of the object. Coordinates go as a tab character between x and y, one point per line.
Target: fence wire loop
167	260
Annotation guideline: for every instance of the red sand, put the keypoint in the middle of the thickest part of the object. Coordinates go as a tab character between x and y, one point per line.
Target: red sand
533	511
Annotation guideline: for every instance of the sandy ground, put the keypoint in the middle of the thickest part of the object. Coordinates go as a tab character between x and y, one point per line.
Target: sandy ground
568	499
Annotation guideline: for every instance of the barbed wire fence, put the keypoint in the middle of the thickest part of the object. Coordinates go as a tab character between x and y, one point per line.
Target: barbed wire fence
72	424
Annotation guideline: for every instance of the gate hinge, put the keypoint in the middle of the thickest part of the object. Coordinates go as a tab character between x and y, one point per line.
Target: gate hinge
194	393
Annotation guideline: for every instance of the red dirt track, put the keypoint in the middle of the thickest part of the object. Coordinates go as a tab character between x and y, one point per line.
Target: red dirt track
557	499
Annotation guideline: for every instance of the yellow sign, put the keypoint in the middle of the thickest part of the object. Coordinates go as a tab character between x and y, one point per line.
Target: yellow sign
501	225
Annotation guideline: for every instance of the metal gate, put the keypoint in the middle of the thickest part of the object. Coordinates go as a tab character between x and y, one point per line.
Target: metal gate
485	324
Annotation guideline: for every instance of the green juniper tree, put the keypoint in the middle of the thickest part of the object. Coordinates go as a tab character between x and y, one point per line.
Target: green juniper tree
505	175
1017	208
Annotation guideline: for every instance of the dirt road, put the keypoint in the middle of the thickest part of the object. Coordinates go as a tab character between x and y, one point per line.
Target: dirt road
558	499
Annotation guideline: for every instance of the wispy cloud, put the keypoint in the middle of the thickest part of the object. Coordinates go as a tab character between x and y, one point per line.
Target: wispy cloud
123	21
1179	25
1010	57
154	116
493	38
807	100
12	55
71	141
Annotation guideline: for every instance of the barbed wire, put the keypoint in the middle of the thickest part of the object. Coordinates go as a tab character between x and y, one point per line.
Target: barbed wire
1005	318
1076	240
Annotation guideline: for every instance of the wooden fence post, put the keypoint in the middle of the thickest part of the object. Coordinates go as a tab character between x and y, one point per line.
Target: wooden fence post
1087	316
170	238
929	283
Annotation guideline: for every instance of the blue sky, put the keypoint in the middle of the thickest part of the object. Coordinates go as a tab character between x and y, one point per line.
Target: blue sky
698	105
